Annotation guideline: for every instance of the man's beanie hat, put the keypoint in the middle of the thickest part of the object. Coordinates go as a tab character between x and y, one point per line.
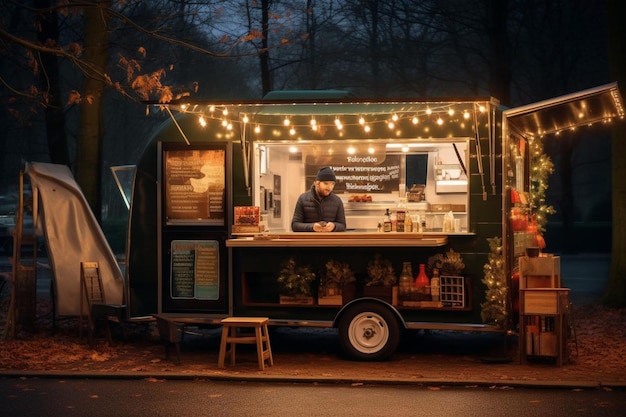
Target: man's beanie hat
325	174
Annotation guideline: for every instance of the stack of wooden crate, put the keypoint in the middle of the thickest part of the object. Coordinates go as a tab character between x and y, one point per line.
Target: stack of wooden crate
544	306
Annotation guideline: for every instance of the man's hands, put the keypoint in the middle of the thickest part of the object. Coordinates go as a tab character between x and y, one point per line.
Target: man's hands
324	227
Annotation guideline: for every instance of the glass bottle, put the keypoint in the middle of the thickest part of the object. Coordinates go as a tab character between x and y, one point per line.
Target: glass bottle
408	222
434	285
406	279
422	281
387	221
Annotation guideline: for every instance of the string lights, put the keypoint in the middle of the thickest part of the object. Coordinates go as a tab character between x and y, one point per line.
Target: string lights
391	120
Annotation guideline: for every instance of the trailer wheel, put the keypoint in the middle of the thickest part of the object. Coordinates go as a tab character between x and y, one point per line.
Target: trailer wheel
369	331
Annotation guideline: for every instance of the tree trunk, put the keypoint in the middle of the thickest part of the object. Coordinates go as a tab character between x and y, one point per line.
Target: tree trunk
615	295
499	58
91	129
48	31
264	56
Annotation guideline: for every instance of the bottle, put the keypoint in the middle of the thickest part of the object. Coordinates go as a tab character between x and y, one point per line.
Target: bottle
434	285
406	279
401	215
387	221
408	222
422	281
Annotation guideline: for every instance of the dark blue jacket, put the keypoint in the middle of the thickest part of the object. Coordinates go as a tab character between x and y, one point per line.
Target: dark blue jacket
310	209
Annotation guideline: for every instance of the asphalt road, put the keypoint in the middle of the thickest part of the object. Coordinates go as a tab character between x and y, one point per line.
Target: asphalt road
180	398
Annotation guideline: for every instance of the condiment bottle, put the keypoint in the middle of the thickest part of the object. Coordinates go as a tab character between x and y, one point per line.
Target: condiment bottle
408	223
422	280
434	285
387	221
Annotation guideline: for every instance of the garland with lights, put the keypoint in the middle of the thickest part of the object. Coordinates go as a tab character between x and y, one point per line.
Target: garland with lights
494	310
541	167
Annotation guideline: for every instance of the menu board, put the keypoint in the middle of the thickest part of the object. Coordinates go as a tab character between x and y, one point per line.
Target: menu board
368	174
194	186
195	269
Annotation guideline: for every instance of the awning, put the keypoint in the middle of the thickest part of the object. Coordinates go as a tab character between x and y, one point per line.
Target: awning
596	105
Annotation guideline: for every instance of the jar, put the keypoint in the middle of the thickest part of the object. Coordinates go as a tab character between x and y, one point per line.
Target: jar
406	279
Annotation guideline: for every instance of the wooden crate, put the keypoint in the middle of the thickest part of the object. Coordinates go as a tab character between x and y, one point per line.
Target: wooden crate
540	272
544	300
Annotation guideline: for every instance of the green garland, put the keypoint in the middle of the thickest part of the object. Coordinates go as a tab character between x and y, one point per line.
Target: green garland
541	167
494	310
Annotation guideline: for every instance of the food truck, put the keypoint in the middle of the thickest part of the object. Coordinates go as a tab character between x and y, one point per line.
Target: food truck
215	189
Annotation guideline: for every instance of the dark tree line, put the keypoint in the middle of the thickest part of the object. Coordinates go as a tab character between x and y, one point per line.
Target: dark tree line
73	74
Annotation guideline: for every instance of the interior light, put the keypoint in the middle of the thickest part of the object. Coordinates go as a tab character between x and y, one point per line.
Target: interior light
391	125
405	148
229	126
429	111
225	112
439	121
394	117
415	120
292	131
245	119
183	107
466	115
367	128
211	109
202	121
361	121
351	150
286	122
313	122
371	150
451	112
293	149
314	127
257	129
481	108
224	123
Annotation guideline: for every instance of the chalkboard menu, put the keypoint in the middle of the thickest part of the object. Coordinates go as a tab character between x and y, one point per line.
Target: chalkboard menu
359	174
194	269
194	185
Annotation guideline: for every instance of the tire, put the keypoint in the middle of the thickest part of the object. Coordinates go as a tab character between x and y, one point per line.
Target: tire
369	331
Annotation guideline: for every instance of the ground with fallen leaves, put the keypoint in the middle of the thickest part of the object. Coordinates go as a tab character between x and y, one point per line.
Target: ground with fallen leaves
597	353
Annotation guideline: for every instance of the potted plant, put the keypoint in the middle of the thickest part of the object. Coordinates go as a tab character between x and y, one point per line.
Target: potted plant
449	263
295	283
337	284
381	279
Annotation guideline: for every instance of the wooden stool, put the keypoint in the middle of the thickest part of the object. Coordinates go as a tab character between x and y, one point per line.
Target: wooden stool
231	336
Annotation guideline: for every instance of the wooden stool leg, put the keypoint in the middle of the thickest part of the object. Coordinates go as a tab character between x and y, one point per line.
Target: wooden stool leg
267	345
222	355
233	344
259	346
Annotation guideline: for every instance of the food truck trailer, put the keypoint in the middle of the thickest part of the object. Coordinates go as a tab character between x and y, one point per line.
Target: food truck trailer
215	189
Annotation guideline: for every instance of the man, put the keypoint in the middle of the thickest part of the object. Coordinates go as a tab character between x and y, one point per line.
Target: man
319	210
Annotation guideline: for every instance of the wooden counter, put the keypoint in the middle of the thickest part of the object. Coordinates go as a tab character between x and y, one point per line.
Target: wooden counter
344	239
